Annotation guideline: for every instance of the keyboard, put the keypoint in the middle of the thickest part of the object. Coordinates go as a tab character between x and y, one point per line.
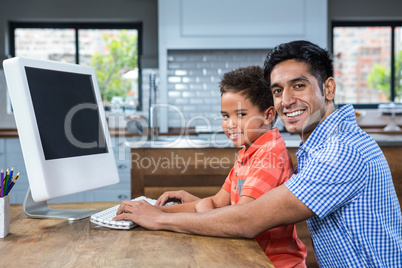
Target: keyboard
104	218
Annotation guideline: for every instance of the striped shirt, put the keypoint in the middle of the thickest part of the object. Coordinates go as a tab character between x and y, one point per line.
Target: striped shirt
265	165
344	178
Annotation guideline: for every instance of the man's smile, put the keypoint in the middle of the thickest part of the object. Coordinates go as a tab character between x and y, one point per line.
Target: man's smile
293	113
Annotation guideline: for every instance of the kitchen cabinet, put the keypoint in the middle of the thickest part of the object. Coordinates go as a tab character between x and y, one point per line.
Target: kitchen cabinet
13	158
226	24
200	171
120	191
394	157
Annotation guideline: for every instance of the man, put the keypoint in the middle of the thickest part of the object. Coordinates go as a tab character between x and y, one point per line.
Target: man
343	184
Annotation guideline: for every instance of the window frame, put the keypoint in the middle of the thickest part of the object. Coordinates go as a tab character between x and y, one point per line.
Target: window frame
13	25
393	25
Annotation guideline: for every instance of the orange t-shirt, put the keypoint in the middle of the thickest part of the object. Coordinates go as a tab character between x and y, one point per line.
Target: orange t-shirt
265	165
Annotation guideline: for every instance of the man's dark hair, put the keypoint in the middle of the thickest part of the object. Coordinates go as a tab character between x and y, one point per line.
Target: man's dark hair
318	59
250	83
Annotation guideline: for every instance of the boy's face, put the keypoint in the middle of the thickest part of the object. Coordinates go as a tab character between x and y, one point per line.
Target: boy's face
242	121
298	99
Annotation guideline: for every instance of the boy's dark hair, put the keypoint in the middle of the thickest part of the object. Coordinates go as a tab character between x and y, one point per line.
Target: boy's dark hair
318	59
249	82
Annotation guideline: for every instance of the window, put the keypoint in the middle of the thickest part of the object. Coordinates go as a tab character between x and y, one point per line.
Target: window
367	62
113	49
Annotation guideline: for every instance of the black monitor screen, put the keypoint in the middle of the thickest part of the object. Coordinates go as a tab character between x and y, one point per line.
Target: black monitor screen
66	112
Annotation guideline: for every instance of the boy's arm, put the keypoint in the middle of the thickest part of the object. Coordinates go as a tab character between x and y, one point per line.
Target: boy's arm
221	199
208	203
180	196
245	200
184	207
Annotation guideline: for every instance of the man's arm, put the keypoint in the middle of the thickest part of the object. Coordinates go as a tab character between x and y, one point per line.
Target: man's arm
275	208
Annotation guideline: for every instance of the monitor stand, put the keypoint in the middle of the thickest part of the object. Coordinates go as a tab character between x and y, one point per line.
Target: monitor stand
42	210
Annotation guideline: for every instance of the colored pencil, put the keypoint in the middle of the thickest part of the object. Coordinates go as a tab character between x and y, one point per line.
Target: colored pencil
13	183
10	177
5	182
11	173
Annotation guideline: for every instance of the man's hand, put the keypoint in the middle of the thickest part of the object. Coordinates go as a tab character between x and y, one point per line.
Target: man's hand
175	196
140	212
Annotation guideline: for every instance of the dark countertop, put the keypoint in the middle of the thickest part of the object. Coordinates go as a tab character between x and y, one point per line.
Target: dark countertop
115	132
292	141
121	132
8	133
373	119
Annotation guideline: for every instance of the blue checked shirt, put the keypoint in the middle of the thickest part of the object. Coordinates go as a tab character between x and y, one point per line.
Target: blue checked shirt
344	178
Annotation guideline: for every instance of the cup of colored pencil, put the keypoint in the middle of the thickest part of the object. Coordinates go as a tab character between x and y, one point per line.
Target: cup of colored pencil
7	181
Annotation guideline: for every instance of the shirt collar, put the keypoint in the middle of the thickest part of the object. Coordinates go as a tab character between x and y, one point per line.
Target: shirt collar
270	135
330	125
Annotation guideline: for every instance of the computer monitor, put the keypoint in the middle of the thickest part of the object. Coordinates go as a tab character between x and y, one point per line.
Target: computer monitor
63	133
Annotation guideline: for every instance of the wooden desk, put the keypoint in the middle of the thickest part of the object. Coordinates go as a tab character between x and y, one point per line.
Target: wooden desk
59	243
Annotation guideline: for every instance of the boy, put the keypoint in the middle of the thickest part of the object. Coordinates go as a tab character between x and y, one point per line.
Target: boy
263	163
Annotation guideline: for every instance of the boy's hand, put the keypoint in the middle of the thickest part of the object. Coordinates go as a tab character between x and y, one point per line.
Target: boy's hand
140	212
175	196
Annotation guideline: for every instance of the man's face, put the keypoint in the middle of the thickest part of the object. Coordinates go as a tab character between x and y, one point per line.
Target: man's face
298	98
